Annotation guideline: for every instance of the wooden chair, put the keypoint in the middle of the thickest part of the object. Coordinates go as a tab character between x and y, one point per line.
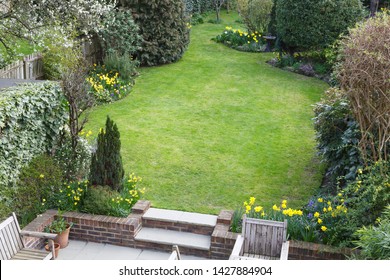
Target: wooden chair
261	239
12	246
175	255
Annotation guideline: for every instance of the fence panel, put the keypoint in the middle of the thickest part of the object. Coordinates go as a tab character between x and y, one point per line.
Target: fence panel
30	68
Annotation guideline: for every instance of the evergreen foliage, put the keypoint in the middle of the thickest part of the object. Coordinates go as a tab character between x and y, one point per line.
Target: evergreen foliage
163	27
106	163
314	24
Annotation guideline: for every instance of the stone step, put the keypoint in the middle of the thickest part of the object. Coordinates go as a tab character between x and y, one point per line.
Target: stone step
179	221
162	239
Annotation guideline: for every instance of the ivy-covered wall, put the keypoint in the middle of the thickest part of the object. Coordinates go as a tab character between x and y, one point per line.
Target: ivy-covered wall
31	118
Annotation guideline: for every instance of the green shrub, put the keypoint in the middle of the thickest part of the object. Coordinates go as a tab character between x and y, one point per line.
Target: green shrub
163	27
120	33
74	168
38	181
31	118
337	136
123	64
255	14
314	24
97	200
106	164
374	240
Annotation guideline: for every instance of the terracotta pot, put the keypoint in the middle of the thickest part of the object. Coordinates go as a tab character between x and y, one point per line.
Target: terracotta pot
56	249
63	237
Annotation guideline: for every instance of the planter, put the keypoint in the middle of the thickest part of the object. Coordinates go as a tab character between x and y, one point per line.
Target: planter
63	237
57	247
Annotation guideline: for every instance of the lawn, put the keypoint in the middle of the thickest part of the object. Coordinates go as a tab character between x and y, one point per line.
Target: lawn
218	126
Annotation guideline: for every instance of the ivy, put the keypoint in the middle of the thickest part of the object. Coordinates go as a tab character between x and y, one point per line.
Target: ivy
31	118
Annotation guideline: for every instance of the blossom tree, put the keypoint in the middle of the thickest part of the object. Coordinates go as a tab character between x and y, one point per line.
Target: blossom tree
34	20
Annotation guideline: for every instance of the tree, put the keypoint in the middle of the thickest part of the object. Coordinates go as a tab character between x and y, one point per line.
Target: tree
163	27
314	24
106	164
218	5
365	77
256	14
33	20
76	92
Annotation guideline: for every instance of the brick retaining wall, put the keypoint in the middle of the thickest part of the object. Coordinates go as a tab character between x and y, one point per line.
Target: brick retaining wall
121	231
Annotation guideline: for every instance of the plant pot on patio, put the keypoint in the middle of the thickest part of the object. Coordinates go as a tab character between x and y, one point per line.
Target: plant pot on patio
62	229
57	247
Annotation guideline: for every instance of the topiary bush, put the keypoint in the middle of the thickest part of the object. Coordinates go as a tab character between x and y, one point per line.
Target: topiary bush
163	27
313	24
32	117
106	164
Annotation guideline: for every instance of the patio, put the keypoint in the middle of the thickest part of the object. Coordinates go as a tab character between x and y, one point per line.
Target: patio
82	250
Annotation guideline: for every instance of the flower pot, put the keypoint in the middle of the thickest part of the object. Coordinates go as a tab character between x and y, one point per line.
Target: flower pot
56	249
63	237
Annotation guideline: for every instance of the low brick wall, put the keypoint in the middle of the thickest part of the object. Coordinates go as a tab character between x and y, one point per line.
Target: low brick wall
299	250
222	240
121	231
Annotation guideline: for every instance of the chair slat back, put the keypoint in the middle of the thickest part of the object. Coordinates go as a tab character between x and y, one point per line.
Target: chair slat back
10	239
264	237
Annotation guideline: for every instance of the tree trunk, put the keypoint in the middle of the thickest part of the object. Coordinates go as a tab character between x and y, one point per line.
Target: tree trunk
373	7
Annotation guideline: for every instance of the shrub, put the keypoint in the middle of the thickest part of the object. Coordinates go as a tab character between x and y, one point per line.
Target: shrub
314	24
123	64
374	240
106	163
102	200
31	119
97	200
163	27
38	181
337	136
255	14
120	33
365	78
74	168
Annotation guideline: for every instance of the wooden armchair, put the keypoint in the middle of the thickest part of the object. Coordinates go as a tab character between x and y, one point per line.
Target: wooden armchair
175	255
261	239
12	246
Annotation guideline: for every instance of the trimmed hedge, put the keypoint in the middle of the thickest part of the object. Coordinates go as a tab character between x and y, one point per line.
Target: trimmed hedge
31	118
163	27
314	24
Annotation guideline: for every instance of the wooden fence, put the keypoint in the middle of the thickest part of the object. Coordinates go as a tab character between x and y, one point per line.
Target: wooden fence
30	68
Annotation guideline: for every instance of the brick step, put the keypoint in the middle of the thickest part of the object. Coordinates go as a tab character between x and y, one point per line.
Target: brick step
179	221
162	239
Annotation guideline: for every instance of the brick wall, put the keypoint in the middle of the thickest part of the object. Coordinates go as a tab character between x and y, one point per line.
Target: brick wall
222	240
300	250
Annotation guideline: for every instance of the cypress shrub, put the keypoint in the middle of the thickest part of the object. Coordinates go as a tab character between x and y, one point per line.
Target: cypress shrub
106	162
314	24
163	27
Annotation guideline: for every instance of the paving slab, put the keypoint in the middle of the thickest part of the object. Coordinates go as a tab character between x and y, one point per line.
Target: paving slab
180	216
170	237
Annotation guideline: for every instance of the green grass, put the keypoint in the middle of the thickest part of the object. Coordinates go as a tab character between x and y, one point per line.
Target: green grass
218	126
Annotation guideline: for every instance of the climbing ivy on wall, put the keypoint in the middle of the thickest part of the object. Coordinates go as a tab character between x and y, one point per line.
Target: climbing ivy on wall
31	118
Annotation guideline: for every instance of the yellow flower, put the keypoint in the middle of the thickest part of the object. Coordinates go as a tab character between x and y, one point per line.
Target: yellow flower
316	214
247	209
262	214
252	200
258	209
324	228
340	194
320	200
330	208
41	176
284	206
43	199
284	202
276	208
319	221
329	203
75	203
360	171
324	210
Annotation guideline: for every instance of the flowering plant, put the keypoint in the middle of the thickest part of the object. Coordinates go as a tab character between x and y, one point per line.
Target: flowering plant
237	39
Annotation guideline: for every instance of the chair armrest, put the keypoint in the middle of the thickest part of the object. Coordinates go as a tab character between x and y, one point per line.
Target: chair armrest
38	234
237	247
284	251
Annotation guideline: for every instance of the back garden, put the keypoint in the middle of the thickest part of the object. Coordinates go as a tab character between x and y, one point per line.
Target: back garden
208	121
